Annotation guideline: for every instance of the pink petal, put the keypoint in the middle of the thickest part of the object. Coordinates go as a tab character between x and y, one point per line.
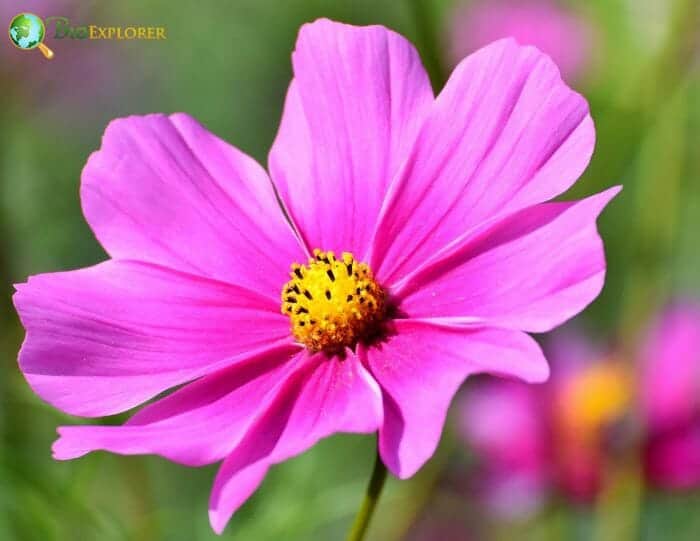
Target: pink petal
103	339
324	396
671	368
504	134
513	494
196	425
421	367
165	190
358	97
672	460
503	421
532	270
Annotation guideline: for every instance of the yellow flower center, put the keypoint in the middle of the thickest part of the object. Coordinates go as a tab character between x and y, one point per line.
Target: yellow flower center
332	303
598	397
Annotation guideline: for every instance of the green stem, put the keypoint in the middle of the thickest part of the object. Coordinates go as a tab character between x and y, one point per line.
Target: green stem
374	490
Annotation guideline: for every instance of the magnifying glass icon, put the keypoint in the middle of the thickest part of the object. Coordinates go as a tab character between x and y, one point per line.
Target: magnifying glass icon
27	31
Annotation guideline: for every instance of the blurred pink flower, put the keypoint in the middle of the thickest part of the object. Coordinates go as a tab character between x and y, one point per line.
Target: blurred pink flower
444	198
542	23
533	440
671	398
504	423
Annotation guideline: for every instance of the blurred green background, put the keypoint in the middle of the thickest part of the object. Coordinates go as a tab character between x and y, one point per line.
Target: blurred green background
228	64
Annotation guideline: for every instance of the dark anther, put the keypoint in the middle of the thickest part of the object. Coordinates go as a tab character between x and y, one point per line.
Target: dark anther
330	274
293	300
297	271
349	267
328	294
349	298
307	294
302	310
312	321
357	291
296	289
362	299
302	323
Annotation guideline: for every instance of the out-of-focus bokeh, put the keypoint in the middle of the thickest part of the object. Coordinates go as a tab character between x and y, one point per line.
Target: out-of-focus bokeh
584	460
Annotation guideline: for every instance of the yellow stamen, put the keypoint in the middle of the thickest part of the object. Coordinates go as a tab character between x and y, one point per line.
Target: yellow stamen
332	303
598	397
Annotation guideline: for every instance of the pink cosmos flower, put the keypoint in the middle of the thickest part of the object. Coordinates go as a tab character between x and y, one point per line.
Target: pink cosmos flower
534	440
443	198
670	390
542	23
504	423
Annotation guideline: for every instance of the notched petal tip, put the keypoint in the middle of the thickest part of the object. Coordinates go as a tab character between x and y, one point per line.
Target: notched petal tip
120	123
326	24
66	448
527	49
19	286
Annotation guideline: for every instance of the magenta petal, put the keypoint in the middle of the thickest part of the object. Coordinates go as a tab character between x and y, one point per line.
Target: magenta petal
503	421
505	133
671	368
672	459
358	97
165	190
421	367
106	338
324	396
512	494
196	425
530	271
232	487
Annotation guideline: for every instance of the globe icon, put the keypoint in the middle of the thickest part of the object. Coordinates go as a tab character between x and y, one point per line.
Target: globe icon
27	32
